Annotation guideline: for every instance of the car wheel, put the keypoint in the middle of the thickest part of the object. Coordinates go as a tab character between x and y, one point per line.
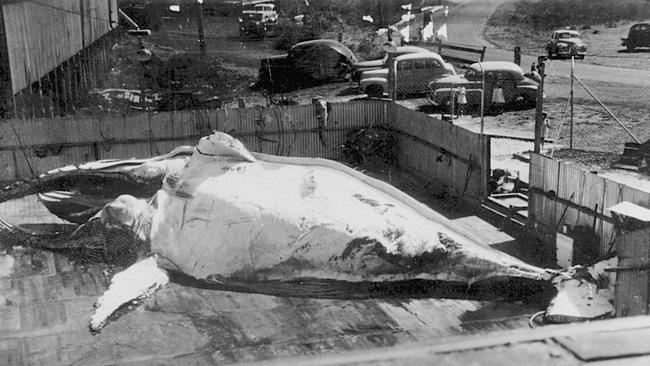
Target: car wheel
524	101
630	48
375	91
550	55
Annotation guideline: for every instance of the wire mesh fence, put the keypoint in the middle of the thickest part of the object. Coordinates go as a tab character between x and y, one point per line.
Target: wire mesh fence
601	109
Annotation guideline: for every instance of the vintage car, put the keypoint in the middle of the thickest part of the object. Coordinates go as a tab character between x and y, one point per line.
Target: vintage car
518	90
266	11
413	73
381	63
307	63
639	36
251	26
566	43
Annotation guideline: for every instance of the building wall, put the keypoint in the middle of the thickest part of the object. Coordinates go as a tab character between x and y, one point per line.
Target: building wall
40	35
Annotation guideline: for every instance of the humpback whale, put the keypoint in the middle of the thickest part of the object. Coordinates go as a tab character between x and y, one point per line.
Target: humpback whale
219	215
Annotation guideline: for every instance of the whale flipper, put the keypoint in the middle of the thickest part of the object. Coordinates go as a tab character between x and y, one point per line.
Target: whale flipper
136	282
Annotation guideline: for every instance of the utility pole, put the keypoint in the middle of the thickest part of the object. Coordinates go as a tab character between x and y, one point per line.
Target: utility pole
201	34
539	119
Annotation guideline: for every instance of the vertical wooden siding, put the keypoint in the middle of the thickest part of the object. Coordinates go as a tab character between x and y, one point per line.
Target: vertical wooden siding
430	148
35	146
633	250
439	150
582	198
42	35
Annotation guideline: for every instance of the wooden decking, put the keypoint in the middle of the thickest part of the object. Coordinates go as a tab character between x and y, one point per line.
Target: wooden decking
622	341
46	301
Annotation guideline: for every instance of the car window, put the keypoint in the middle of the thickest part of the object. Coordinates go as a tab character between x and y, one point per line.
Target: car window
473	75
432	64
419	64
405	65
491	75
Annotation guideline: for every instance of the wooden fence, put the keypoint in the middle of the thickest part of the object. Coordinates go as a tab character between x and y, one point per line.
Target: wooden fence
439	150
34	146
562	194
433	149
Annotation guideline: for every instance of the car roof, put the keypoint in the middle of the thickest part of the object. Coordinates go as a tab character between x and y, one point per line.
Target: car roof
497	66
410	49
335	45
567	31
420	55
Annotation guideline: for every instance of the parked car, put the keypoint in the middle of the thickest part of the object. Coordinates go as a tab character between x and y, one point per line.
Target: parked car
566	43
413	72
251	26
266	11
639	36
307	63
518	90
381	63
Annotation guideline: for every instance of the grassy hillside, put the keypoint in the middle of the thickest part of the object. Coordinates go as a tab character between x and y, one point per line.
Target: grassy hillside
545	15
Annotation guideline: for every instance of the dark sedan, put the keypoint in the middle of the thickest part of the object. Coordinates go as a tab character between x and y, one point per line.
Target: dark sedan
307	63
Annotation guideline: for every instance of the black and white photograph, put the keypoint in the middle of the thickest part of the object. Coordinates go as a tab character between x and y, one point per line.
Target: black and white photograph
324	182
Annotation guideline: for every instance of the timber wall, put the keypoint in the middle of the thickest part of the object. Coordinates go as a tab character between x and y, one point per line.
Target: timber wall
562	194
441	151
433	149
51	51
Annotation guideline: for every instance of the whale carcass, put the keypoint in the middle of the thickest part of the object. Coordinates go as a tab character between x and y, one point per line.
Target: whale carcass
283	226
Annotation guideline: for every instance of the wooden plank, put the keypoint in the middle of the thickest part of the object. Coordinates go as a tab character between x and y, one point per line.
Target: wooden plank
608	345
631	294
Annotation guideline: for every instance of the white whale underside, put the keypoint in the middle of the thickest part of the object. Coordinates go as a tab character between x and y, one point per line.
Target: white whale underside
230	216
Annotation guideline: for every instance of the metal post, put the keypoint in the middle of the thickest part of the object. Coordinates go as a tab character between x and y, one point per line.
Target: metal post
201	34
539	120
392	79
518	55
452	102
482	96
571	101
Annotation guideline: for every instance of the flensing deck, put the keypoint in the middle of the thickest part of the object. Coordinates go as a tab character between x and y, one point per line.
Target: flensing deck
46	302
622	341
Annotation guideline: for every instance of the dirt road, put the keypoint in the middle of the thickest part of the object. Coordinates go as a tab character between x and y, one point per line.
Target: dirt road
466	23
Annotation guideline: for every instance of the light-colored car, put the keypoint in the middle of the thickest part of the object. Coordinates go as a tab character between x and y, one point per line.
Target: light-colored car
566	43
362	66
413	73
518	89
266	11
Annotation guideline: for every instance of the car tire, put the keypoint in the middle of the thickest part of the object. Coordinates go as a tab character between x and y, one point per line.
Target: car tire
630	48
550	55
375	91
524	101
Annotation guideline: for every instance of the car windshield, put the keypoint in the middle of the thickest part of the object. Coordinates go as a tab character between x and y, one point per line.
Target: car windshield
472	74
251	17
567	35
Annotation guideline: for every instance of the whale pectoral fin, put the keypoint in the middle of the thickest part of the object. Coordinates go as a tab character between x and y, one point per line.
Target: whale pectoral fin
578	300
136	282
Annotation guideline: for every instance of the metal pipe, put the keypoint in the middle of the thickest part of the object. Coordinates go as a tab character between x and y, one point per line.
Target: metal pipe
571	100
128	19
607	110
